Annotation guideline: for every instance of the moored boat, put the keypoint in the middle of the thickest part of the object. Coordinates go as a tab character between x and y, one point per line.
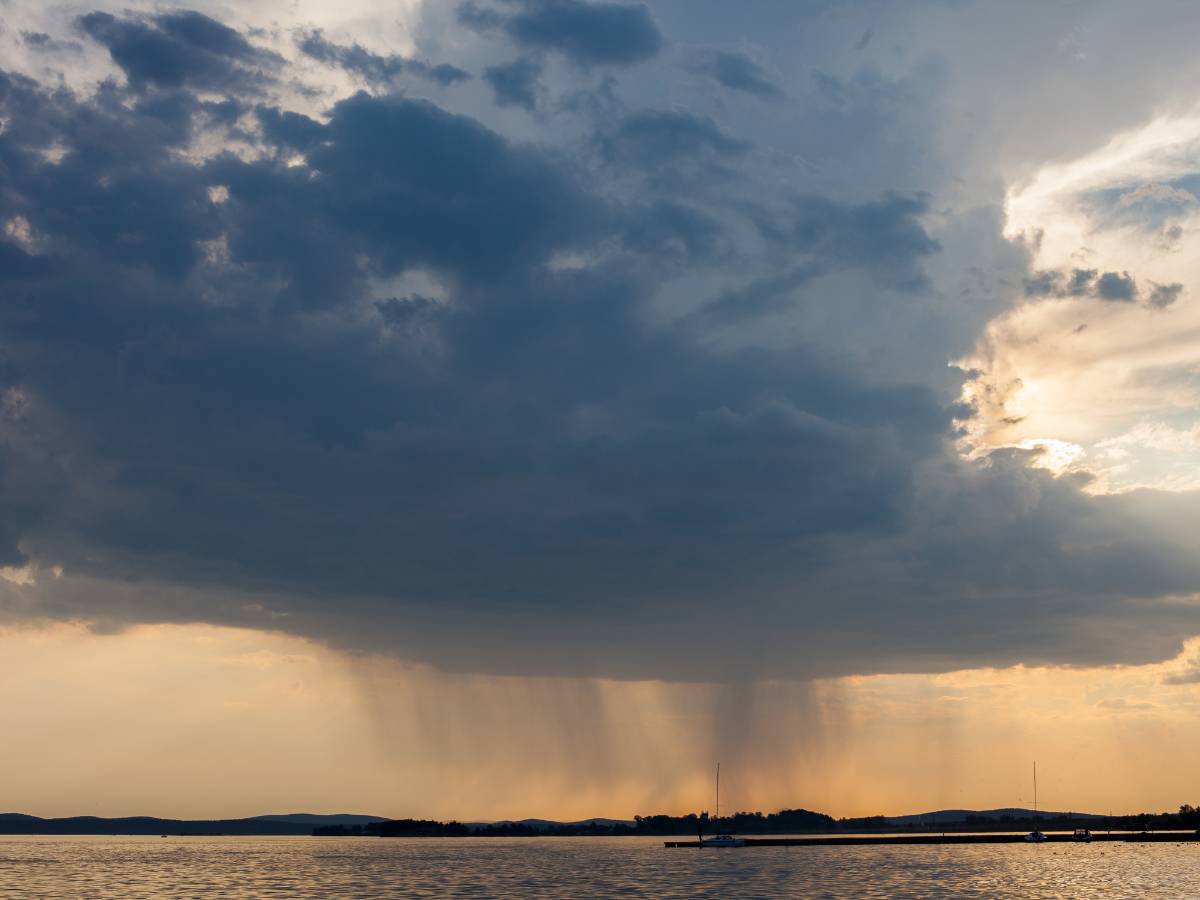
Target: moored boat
1035	836
724	840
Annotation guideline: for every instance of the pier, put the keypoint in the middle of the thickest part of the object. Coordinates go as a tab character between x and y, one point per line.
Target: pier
1065	837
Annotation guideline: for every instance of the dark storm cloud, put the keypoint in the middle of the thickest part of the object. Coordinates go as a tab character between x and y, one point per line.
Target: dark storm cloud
544	390
515	83
552	426
373	68
586	33
396	381
172	50
735	71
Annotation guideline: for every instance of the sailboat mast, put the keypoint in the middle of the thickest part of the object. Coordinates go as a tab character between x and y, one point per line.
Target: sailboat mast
718	815
1035	788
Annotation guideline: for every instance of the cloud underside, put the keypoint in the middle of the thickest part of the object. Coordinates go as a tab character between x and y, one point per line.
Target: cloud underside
223	401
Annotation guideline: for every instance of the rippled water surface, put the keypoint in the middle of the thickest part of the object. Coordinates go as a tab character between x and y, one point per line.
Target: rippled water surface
130	867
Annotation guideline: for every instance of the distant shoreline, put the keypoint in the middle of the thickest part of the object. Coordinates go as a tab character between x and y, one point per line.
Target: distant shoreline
784	822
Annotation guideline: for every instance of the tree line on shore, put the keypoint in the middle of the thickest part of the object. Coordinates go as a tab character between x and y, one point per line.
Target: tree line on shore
783	822
786	821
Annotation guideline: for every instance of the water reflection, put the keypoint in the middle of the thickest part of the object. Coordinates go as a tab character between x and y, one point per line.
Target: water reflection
135	867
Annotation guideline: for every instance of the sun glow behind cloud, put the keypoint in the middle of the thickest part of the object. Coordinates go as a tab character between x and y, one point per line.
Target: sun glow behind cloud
1097	372
198	721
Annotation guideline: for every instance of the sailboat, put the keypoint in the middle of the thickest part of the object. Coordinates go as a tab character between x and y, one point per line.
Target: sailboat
721	840
1035	836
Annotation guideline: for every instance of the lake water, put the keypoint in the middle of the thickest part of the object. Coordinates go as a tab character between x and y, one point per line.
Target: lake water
134	867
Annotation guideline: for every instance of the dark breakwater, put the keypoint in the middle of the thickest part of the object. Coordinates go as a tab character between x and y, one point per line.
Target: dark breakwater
931	839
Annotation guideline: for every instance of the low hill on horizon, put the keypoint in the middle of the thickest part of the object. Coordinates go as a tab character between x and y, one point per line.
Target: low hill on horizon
960	815
551	823
292	823
321	819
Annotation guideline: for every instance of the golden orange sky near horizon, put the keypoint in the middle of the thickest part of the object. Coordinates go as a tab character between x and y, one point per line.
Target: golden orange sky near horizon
194	721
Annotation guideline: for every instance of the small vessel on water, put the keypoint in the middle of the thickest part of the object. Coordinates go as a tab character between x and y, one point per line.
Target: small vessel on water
723	839
1082	835
1035	836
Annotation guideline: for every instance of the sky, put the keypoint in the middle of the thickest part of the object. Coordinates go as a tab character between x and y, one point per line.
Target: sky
512	407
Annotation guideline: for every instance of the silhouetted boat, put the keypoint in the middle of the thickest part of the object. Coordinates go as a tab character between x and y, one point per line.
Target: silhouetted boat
1082	835
1035	836
725	840
721	840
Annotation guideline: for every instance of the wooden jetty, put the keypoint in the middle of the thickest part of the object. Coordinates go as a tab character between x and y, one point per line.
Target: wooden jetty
860	840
